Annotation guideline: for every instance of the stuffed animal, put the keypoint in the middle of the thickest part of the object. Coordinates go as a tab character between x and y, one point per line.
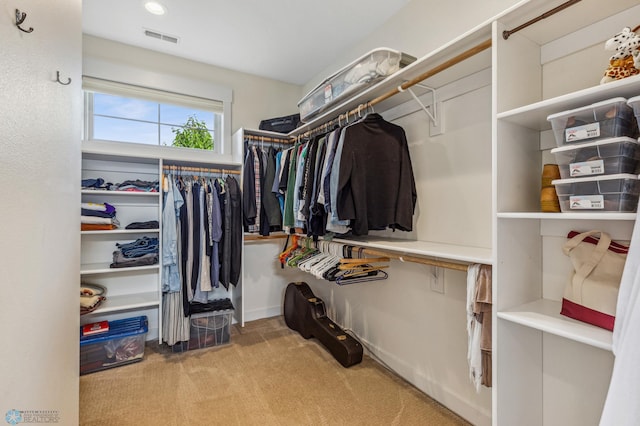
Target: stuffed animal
625	62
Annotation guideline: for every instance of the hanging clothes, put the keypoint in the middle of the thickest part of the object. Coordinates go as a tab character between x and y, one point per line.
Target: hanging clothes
479	307
262	209
376	187
249	196
270	201
231	265
173	201
202	236
360	174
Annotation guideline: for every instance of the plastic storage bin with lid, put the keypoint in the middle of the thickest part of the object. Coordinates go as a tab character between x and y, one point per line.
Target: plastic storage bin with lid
634	103
607	119
122	343
353	78
207	329
606	193
601	157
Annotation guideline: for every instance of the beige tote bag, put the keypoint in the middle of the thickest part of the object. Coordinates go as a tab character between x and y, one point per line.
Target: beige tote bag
591	294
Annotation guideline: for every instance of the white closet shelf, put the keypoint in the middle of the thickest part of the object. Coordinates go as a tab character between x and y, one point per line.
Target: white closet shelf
534	116
106	193
265	133
424	248
129	301
544	315
152	153
121	231
568	216
103	268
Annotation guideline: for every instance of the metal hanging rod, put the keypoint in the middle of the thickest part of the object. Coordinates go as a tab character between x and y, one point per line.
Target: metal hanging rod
285	139
257	237
171	168
422	260
507	33
431	72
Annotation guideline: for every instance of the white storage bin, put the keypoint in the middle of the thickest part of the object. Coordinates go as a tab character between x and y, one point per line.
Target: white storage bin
608	193
358	75
602	157
607	119
634	103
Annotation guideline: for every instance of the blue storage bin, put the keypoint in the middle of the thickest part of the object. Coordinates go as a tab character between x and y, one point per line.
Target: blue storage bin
122	344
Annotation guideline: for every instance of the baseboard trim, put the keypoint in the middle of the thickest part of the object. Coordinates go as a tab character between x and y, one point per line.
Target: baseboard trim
435	390
266	312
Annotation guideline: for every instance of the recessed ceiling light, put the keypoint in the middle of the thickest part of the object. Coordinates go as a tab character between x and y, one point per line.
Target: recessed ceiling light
155	8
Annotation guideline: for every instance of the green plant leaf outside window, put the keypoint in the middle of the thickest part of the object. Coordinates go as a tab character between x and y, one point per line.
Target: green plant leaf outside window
194	134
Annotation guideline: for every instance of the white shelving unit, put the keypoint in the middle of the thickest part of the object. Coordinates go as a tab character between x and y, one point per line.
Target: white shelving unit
131	291
134	291
548	369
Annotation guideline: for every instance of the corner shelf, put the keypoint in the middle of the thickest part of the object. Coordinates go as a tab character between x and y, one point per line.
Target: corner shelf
534	116
106	193
545	315
103	268
126	302
425	248
568	216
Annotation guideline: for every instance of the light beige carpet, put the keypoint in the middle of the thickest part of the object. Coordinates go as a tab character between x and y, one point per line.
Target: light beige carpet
267	375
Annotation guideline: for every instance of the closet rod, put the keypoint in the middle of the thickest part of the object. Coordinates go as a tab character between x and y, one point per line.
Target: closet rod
255	237
431	72
507	33
199	169
422	260
268	139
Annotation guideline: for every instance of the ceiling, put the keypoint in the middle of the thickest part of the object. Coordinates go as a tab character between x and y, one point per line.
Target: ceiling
286	40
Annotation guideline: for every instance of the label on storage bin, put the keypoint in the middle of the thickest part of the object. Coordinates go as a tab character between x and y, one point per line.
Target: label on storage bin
582	132
328	93
586	168
586	202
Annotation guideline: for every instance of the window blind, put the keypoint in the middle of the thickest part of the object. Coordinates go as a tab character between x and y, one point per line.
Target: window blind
92	84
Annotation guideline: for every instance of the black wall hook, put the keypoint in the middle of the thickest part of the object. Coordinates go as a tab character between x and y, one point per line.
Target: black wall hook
20	17
59	81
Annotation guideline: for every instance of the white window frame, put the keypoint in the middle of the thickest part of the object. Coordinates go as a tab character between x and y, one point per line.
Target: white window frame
170	84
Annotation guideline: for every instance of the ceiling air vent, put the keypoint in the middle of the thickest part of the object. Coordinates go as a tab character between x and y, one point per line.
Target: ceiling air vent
160	36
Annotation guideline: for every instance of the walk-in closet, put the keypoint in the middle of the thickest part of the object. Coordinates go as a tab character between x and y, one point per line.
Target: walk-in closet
393	189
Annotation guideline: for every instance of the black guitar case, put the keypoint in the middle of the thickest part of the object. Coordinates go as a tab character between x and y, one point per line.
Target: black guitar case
306	314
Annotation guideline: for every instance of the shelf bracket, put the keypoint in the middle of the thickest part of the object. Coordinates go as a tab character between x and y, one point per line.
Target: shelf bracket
436	119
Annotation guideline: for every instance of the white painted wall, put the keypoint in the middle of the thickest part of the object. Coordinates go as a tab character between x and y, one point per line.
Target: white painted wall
419	28
254	98
40	216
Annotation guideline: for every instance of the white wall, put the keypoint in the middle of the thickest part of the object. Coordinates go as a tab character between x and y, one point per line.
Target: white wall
254	98
40	215
419	28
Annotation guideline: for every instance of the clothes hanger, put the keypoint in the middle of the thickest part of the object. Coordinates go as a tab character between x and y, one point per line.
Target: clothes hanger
378	276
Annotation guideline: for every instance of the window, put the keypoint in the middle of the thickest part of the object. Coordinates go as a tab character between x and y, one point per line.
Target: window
127	113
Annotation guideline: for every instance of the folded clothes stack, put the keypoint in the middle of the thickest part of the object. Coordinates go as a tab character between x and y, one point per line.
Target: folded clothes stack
98	216
141	252
91	297
136	185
